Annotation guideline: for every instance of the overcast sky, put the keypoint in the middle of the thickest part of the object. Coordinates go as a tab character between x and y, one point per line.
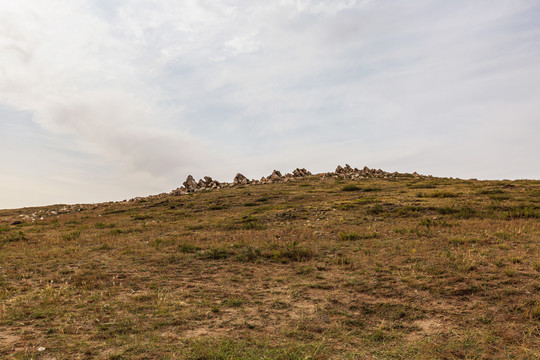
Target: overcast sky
110	99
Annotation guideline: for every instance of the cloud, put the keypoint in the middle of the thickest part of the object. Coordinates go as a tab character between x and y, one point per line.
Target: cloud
163	88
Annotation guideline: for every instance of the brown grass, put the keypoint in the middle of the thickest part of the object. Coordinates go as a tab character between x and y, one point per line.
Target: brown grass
312	269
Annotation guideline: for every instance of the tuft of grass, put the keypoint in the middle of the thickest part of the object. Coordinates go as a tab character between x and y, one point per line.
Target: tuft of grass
218	253
101	225
12	237
351	187
292	251
233	302
526	212
376	209
438	194
73	235
188	248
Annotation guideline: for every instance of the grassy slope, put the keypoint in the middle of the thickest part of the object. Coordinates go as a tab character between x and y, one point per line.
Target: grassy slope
407	268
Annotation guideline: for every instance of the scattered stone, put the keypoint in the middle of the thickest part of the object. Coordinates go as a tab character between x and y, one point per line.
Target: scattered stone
16	222
343	172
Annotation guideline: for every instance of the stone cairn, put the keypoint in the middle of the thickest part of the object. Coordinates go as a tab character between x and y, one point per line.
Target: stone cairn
343	172
348	172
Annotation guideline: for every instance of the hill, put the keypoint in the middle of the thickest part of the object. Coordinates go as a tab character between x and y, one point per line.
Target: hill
327	266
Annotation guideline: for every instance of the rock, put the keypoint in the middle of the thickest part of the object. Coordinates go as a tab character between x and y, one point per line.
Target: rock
240	179
179	191
208	181
344	170
301	172
275	176
190	184
201	184
16	222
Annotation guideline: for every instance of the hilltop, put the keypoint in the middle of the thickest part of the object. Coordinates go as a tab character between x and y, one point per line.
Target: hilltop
355	263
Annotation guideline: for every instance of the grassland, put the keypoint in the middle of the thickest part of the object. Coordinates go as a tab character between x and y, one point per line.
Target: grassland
312	269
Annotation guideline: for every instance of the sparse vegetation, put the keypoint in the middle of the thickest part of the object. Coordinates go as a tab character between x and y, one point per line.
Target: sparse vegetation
399	268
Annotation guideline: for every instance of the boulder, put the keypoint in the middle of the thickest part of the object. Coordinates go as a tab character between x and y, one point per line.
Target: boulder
208	181
240	179
190	184
275	176
301	172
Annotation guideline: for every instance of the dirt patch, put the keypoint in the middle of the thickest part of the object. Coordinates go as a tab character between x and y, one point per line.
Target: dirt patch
8	340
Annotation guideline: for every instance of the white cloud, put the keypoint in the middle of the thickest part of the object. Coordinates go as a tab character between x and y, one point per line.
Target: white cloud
164	87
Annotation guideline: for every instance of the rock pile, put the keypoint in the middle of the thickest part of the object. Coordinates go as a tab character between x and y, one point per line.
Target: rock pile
344	172
190	185
301	172
348	172
240	179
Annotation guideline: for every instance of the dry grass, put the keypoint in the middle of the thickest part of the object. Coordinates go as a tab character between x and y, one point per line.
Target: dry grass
313	269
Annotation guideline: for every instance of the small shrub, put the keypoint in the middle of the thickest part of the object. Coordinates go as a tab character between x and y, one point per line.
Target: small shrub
248	254
233	302
510	272
292	251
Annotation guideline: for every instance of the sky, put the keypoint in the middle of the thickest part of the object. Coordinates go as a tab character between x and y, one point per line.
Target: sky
111	99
